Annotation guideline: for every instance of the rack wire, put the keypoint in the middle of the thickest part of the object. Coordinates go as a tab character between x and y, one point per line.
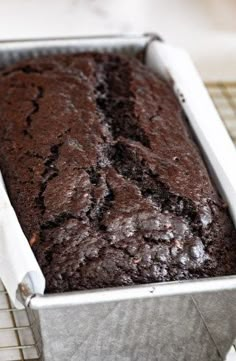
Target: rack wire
17	341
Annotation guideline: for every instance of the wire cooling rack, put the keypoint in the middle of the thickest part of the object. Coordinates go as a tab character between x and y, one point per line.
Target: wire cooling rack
224	97
16	337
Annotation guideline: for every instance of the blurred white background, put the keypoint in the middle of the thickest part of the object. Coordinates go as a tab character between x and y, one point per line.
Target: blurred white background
206	28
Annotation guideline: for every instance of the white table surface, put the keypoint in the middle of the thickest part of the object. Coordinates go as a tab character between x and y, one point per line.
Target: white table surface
187	23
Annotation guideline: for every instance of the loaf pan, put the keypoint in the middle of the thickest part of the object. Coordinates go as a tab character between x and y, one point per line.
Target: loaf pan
187	320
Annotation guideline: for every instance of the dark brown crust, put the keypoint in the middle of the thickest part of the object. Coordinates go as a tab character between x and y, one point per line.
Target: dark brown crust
104	176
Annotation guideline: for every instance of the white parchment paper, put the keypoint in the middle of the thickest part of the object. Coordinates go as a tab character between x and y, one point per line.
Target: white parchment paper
17	261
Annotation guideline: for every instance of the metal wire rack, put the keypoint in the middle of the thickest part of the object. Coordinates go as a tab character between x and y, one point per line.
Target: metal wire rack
224	97
17	342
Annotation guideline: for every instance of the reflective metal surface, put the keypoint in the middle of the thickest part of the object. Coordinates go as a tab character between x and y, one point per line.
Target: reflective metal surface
12	51
155	290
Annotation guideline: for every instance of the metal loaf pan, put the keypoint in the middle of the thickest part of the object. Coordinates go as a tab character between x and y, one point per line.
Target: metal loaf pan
189	320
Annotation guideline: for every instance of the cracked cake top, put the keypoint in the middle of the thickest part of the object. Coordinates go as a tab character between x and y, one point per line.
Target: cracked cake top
106	180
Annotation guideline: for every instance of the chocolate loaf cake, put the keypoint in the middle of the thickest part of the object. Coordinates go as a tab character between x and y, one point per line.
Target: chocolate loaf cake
105	178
